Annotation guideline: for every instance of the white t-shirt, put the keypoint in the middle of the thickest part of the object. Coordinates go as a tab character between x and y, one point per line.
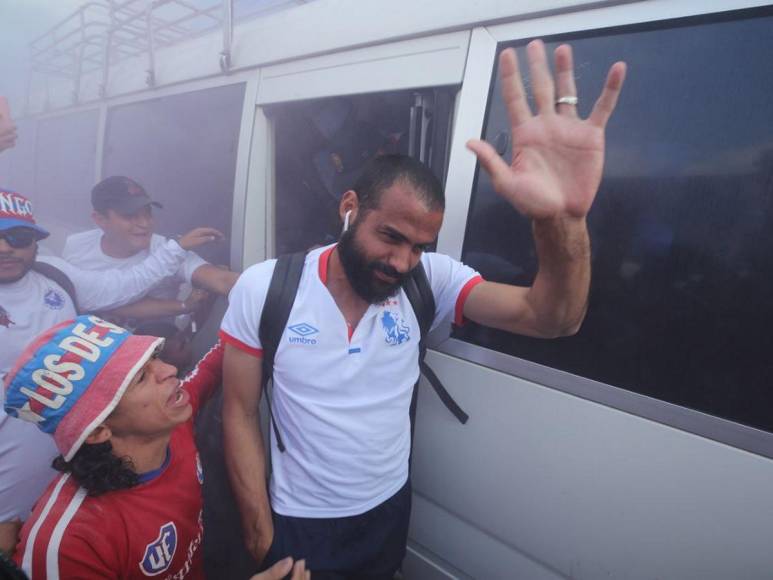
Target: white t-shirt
84	250
27	308
341	403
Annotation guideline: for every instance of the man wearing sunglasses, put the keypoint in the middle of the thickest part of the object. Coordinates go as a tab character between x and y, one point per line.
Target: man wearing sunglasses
30	302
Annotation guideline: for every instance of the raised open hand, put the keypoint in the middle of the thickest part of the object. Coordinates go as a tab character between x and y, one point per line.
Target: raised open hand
282	568
558	158
198	237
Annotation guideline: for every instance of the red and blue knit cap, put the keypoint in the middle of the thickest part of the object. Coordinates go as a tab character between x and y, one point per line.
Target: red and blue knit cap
71	377
16	212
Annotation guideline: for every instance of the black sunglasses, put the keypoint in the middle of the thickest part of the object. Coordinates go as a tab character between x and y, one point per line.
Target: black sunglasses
19	238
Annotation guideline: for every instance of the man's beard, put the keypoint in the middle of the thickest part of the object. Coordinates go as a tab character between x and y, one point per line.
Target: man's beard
360	272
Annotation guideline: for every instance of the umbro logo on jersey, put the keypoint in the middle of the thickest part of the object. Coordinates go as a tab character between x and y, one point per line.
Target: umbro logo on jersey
303	331
160	553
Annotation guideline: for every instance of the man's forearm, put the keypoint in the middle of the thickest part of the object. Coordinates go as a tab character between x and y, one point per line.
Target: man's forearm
246	460
559	295
150	308
107	289
214	279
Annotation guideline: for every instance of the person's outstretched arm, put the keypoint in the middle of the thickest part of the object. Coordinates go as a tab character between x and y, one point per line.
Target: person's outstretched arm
214	279
552	179
99	290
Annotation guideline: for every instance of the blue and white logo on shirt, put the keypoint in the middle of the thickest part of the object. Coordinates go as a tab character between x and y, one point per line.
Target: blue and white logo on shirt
53	299
160	553
302	331
395	328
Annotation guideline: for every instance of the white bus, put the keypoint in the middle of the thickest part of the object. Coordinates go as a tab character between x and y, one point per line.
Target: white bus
642	447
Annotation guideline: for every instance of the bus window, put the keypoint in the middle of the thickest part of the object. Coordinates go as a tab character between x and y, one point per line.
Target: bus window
17	164
182	149
65	161
322	145
681	229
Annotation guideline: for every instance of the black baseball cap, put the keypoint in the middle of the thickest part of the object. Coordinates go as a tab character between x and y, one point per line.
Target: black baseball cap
121	194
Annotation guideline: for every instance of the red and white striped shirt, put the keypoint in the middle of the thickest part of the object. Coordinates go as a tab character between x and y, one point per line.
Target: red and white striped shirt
151	530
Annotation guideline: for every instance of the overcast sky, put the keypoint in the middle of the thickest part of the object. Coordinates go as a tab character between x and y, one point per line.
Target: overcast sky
20	22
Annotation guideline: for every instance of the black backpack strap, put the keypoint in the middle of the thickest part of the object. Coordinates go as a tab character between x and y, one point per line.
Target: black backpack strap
276	311
444	395
422	300
56	275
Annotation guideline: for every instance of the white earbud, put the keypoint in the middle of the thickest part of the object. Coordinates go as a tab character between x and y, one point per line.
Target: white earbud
346	221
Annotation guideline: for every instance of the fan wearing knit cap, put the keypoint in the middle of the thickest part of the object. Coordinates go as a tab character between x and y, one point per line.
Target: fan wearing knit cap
128	501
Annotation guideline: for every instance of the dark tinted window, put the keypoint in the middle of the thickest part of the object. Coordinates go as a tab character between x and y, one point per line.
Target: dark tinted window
682	228
322	145
182	149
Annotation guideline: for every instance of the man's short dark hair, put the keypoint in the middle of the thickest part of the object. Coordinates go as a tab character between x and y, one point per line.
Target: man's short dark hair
98	470
382	172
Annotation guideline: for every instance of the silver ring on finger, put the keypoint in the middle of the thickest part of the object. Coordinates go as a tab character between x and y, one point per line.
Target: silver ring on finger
567	100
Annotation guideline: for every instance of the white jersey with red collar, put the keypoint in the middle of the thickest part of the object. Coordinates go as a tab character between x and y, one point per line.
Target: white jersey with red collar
341	400
150	530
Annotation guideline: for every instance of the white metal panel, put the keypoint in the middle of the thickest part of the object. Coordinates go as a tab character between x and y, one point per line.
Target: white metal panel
645	11
330	25
470	112
101	133
440	531
586	490
258	207
419	563
246	133
317	28
196	58
433	61
187	87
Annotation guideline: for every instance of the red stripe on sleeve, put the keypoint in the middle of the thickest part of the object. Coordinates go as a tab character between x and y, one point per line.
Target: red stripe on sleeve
235	342
462	298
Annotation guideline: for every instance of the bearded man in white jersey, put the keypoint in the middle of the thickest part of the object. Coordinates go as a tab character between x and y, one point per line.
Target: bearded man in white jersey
345	367
33	297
